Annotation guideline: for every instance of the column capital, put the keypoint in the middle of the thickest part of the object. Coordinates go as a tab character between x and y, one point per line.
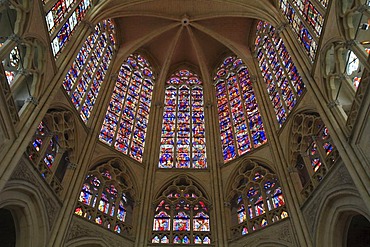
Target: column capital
89	25
209	105
114	76
292	169
281	27
32	100
253	78
333	104
16	38
72	166
350	43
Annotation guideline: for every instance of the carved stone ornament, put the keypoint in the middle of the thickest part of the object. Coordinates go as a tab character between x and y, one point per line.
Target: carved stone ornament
338	177
81	228
279	233
23	172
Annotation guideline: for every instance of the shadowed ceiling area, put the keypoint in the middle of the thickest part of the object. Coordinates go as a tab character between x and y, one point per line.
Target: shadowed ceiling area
196	34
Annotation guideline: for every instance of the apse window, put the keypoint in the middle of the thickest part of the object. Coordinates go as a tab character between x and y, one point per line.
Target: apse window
183	141
125	123
240	121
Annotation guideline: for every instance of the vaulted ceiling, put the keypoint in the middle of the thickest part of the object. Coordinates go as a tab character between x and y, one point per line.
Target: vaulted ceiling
193	33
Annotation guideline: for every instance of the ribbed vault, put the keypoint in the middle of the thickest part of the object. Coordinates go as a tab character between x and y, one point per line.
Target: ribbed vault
197	35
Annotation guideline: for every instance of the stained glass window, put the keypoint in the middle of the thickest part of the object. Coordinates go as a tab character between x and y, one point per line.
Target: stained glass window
183	142
316	155
241	125
105	197
127	115
284	84
62	19
182	216
12	64
50	148
257	200
84	78
306	20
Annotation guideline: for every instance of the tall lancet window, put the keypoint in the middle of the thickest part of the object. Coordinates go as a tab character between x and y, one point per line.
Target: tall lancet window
284	84
306	17
62	17
240	121
127	115
84	78
183	142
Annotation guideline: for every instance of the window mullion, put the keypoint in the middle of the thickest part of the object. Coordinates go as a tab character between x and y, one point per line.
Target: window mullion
134	121
191	126
286	72
97	65
120	117
246	117
272	73
176	131
98	198
83	68
232	127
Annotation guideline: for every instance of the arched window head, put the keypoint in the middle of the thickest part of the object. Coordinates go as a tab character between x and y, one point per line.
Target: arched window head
256	199
183	141
21	73
52	146
127	116
62	17
106	197
354	16
347	61
240	121
284	84
84	78
306	19
181	215
312	150
13	17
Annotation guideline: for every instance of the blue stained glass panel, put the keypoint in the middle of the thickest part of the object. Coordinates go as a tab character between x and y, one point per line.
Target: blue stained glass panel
284	84
240	124
84	78
183	131
127	115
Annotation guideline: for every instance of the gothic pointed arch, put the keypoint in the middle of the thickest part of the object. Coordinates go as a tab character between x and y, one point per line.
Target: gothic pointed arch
126	121
347	60
52	149
283	82
334	215
240	121
13	17
312	151
28	208
107	197
22	73
183	141
182	214
255	198
84	79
